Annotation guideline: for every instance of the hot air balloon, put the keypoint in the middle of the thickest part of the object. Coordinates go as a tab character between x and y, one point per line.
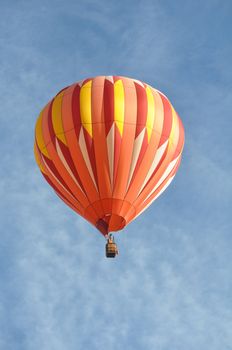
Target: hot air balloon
109	146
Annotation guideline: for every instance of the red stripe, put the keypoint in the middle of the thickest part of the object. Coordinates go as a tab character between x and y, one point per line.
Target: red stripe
86	81
141	108
167	125
108	99
68	158
76	115
65	88
60	194
71	205
56	173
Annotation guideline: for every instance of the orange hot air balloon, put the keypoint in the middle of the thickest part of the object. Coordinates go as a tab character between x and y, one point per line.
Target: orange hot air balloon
109	146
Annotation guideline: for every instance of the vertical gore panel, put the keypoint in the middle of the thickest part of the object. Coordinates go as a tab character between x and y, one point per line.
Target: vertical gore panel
108	105
99	138
127	142
85	106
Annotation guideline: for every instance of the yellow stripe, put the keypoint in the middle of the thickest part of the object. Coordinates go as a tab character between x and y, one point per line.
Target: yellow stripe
150	112
57	117
85	107
119	105
39	136
37	159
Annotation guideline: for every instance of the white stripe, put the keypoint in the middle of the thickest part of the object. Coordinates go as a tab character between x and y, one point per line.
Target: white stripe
161	93
80	82
158	155
165	174
158	194
138	82
110	149
63	160
136	151
110	78
85	155
49	170
163	189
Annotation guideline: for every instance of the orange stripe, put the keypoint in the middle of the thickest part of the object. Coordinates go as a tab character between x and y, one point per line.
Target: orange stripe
128	136
71	108
99	138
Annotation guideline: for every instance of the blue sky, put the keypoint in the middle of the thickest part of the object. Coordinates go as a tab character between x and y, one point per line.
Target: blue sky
170	288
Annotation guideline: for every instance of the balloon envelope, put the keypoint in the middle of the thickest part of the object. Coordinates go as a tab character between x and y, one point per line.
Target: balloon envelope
109	146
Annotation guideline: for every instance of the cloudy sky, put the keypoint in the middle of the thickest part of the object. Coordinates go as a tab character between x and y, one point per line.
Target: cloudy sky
170	288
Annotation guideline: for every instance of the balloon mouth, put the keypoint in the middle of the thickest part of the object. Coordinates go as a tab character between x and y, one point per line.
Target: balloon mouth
110	222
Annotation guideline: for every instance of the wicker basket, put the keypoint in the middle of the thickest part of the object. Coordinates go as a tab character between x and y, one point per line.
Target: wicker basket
111	250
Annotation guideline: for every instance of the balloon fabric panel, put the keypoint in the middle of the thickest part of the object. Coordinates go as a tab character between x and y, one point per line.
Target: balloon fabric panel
109	146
